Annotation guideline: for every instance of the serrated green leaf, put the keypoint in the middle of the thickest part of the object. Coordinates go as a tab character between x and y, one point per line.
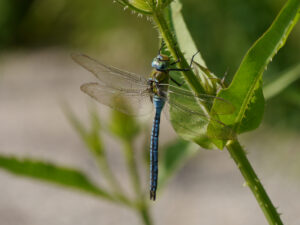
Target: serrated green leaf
254	113
246	80
173	157
44	171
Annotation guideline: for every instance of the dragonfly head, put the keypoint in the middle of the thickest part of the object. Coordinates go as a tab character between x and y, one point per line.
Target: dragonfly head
161	62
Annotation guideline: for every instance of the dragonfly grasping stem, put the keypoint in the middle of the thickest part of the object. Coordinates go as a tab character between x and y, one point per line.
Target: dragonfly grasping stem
172	45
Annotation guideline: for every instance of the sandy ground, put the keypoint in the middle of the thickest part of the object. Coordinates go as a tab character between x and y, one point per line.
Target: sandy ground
208	190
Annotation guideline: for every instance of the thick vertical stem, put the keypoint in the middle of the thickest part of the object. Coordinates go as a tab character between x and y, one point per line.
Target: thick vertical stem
238	154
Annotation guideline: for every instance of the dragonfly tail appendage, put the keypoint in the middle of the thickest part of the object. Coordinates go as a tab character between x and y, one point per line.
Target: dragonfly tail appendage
158	103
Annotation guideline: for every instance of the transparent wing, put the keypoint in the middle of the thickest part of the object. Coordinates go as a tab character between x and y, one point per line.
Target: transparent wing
111	76
189	118
128	101
192	98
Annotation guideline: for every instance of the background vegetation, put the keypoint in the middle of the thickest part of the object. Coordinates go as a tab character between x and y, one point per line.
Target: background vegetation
223	31
228	28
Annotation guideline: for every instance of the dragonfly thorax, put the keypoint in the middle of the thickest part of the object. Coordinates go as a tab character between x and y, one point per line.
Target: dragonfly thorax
157	88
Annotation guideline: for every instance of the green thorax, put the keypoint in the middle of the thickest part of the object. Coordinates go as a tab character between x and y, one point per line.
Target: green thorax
161	77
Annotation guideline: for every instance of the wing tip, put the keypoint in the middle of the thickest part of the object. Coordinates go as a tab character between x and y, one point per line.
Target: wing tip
85	86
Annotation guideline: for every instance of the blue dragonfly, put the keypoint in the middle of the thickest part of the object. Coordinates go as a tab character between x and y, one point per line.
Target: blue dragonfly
117	86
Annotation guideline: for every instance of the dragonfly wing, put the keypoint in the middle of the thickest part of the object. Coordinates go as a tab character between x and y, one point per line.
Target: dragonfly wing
109	75
189	118
188	96
128	101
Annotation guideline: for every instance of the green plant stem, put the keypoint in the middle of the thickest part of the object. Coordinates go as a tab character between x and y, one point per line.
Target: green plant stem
141	202
132	166
145	215
121	199
238	154
118	195
172	45
108	174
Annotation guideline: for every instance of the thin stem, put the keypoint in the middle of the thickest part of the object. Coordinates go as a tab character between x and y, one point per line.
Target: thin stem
238	154
118	195
145	215
132	166
170	41
108	174
142	206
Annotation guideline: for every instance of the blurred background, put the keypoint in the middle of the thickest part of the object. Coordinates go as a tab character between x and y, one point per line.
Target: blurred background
37	74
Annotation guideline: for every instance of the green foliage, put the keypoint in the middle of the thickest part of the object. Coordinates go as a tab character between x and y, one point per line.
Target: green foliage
10	13
45	171
140	6
92	138
126	129
146	7
244	94
244	91
63	23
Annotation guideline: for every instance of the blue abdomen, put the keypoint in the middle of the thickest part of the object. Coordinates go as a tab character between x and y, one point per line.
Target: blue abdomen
158	104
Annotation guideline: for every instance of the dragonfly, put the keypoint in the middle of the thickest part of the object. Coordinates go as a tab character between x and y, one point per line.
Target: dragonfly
114	86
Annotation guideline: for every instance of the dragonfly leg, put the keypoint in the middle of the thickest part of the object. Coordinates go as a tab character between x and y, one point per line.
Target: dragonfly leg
221	81
224	78
176	82
192	60
177	61
177	69
187	69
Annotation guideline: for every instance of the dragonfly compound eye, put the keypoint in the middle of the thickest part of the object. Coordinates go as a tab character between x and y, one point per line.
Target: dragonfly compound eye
159	65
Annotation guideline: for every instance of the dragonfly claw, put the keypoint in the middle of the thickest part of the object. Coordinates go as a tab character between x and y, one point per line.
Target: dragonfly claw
152	195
